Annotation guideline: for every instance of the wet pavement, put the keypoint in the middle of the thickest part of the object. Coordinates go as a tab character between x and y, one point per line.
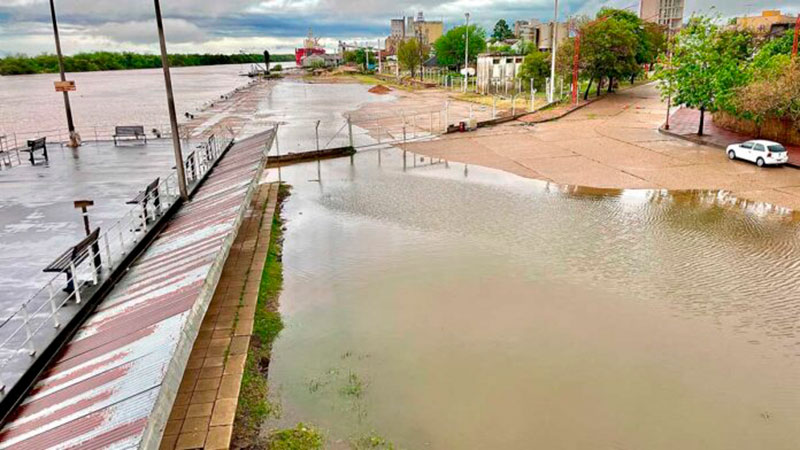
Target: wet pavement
451	306
615	143
38	221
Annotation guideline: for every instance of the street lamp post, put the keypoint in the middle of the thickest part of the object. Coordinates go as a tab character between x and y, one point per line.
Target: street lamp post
173	120
466	54
73	137
553	47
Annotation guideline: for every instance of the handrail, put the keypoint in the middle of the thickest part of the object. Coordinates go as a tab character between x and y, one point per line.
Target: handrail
23	329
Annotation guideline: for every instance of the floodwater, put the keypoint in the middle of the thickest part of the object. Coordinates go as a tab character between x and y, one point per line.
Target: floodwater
453	307
29	104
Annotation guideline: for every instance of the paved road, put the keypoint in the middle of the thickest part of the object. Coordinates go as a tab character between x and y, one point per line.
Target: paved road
614	143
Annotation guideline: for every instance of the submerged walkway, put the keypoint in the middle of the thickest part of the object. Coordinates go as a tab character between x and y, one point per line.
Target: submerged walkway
203	412
115	383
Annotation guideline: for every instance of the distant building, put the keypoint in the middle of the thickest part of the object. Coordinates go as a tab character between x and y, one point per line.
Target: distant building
668	13
427	31
497	71
541	34
769	23
325	60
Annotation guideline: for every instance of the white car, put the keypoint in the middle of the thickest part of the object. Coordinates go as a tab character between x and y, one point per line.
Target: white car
760	152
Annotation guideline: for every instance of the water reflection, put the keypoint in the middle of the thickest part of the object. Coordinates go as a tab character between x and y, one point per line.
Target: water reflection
477	309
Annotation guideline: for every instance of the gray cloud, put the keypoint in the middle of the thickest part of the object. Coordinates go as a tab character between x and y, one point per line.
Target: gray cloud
144	32
228	24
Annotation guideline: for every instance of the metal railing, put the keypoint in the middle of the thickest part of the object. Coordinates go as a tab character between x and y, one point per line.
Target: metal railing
36	321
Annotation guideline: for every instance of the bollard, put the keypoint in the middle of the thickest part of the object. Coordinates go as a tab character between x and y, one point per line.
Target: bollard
350	130
494	107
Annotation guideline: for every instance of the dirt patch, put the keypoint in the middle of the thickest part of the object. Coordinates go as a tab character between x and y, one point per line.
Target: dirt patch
380	90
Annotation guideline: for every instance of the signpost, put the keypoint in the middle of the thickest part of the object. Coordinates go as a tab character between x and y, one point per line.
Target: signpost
65	86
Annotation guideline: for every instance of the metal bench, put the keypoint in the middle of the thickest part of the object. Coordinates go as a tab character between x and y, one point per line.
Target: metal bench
145	197
129	131
35	145
72	258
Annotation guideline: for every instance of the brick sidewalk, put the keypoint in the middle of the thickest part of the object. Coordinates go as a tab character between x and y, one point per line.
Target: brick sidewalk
685	121
204	409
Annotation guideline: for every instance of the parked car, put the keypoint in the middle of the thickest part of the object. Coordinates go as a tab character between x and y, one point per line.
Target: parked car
761	152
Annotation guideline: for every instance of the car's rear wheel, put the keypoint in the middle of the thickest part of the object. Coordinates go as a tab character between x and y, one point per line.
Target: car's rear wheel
760	162
731	155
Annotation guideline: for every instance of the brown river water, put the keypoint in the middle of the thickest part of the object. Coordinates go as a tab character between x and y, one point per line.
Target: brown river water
30	106
453	307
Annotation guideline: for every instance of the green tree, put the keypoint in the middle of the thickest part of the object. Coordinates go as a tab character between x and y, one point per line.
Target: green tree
410	55
451	46
536	66
608	48
502	31
706	67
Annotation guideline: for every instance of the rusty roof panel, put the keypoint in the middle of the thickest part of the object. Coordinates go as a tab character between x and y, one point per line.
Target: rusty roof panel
106	388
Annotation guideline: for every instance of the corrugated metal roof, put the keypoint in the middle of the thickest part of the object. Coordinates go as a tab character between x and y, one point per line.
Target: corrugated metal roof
114	384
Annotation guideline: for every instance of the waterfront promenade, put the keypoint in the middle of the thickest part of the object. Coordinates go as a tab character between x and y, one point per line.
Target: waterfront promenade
116	381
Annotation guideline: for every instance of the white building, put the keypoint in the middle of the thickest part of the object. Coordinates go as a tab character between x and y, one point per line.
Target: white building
663	12
497	72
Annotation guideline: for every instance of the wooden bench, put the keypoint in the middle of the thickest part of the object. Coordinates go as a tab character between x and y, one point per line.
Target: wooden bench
73	257
144	197
35	145
129	131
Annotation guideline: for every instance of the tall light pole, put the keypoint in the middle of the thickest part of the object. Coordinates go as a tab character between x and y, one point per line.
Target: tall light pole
73	137
553	47
173	120
466	55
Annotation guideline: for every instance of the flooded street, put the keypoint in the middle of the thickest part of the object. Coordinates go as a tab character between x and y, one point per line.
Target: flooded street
453	307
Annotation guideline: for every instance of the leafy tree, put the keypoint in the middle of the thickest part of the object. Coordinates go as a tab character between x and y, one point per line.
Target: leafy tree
502	31
773	56
410	55
653	43
706	67
451	46
536	66
608	48
358	56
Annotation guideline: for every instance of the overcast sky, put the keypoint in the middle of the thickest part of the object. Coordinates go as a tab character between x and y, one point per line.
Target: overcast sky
230	26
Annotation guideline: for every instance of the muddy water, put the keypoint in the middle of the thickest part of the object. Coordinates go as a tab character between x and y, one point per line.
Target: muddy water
448	307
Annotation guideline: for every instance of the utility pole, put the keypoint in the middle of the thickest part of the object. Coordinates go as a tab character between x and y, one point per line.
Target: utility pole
796	32
380	60
74	140
554	48
466	54
575	58
173	120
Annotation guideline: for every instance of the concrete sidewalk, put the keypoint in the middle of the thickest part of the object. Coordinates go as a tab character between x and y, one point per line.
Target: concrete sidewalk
204	409
684	122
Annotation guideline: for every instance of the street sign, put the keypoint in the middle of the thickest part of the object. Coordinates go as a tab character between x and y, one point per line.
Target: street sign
65	86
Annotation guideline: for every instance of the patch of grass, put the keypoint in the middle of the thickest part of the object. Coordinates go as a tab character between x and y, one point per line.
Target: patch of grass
254	405
300	437
371	442
354	387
